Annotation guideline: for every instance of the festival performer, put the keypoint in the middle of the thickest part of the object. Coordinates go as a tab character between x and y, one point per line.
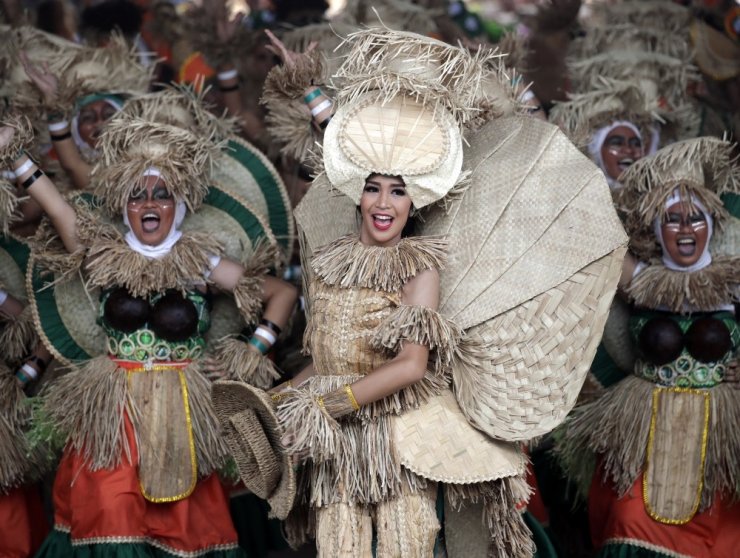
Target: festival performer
659	448
373	421
116	490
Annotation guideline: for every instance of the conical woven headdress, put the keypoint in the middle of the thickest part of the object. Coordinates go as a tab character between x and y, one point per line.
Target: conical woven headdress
703	168
403	99
169	130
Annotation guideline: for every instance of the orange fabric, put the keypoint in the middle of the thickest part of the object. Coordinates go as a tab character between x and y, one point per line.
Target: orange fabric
108	503
713	533
23	525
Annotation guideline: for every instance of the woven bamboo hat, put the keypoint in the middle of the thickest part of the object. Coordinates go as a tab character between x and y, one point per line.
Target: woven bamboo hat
704	168
402	102
252	432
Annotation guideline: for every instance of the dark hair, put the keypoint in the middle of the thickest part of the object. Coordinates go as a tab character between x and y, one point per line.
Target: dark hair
113	14
50	16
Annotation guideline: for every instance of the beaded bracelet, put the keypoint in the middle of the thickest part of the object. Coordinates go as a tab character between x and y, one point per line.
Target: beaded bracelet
312	95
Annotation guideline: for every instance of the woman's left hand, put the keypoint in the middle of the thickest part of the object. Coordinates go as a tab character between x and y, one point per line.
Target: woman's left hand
213	370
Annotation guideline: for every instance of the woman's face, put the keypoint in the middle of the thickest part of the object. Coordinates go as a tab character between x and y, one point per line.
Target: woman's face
621	148
385	207
685	233
151	211
92	118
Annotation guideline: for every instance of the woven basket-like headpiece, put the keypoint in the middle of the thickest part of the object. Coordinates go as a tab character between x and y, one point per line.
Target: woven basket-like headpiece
703	168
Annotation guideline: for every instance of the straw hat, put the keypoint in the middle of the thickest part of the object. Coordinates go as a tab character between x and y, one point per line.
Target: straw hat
402	102
253	432
703	167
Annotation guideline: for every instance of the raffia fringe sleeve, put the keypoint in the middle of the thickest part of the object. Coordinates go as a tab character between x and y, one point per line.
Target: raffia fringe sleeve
310	433
420	325
8	205
244	364
289	120
248	290
18	337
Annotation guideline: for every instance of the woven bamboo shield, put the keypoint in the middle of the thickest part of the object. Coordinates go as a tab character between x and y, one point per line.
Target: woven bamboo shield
244	171
66	312
160	406
673	481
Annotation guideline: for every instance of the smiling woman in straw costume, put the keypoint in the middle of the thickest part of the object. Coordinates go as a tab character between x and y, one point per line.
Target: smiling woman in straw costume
665	439
392	332
117	492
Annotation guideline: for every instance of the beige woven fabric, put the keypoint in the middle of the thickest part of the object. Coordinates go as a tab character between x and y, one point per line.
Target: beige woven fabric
437	442
533	200
344	531
407	525
675	455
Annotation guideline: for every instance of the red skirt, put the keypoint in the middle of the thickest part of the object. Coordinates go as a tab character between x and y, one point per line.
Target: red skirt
23	524
107	507
713	533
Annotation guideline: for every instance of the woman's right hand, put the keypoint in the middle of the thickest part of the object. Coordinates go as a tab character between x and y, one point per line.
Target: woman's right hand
6	136
44	80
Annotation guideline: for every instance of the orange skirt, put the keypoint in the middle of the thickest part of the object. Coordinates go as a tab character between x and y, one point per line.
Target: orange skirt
107	507
23	525
713	533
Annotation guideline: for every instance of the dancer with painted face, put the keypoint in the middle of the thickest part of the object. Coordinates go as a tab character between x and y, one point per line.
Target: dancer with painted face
663	441
116	490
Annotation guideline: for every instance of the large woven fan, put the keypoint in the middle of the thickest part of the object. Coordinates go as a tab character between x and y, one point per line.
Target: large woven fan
535	251
66	312
244	171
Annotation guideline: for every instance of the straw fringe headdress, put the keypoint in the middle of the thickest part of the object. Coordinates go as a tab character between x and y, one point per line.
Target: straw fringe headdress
703	167
665	15
585	113
403	101
23	138
628	36
168	130
200	28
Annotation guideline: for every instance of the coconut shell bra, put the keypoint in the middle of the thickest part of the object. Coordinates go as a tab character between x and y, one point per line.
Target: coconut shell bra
166	326
684	351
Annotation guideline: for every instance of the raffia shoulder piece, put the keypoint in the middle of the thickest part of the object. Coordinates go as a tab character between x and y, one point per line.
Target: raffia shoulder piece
706	289
112	262
348	263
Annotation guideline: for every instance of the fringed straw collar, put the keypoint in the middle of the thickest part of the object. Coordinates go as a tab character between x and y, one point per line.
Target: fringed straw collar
348	263
707	289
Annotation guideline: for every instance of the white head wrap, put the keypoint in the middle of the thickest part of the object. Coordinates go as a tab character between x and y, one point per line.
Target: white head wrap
172	237
597	140
87	149
706	257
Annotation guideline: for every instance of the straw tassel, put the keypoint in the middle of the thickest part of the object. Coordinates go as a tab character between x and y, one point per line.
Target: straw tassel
201	30
14	460
244	364
18	337
657	286
509	535
348	263
8	206
22	138
310	432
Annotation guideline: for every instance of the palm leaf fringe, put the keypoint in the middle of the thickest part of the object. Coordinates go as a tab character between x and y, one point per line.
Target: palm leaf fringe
419	325
15	464
347	263
8	205
18	337
657	286
112	262
509	535
244	364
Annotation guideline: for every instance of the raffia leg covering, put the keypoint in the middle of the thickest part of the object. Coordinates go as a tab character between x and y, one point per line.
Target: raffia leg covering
407	525
344	531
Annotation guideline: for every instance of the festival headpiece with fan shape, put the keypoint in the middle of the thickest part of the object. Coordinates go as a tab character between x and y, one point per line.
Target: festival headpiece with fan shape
403	102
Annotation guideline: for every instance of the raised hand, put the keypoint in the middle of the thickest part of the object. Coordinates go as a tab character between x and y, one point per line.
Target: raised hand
46	82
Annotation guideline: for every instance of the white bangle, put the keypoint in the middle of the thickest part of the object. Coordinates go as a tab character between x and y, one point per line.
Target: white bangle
7	175
3	296
30	371
227	75
58	126
321	107
527	96
266	334
24	168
